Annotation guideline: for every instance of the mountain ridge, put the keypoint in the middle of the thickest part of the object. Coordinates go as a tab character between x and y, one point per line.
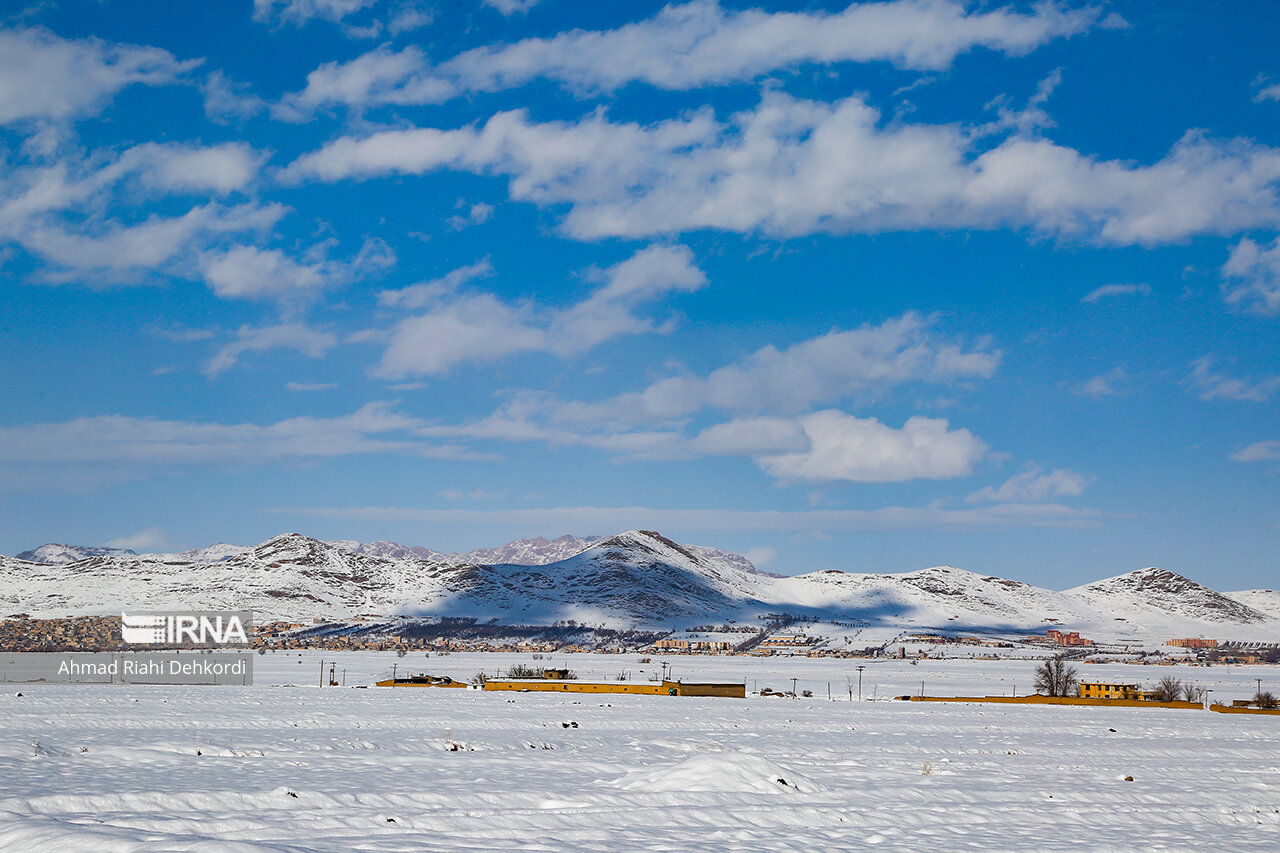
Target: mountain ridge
634	578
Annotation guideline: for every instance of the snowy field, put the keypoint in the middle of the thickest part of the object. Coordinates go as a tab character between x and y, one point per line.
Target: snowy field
294	768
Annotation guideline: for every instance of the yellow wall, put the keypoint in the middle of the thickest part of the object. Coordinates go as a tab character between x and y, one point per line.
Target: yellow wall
734	691
653	689
1227	709
1060	700
666	688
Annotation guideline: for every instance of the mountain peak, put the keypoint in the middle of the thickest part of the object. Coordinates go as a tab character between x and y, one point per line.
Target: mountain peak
1172	593
292	547
1150	579
649	542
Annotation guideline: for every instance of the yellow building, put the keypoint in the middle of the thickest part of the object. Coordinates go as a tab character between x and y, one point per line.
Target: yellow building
1102	690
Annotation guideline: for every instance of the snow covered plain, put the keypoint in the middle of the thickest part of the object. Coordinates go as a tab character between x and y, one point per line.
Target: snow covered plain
294	768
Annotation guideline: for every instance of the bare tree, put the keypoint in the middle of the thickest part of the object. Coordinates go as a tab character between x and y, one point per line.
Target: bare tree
1191	693
1168	690
1265	699
1055	677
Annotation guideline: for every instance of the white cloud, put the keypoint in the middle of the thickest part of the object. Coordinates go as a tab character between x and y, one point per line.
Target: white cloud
44	77
691	45
844	447
310	386
1259	451
1102	386
1116	290
249	272
1266	92
474	494
299	12
116	254
1033	487
85	215
86	186
752	436
793	444
1215	386
761	555
409	17
805	521
225	100
310	342
129	441
824	369
430	292
609	312
382	76
512	7
189	168
1254	273
477	327
469	328
143	541
477	215
396	16
792	167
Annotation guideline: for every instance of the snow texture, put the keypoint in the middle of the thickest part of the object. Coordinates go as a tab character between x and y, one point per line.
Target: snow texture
285	766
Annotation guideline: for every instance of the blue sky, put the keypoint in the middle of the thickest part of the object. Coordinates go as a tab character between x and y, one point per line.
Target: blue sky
869	287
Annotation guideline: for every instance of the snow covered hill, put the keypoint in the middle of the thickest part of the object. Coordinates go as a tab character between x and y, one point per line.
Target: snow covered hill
1266	601
53	552
634	579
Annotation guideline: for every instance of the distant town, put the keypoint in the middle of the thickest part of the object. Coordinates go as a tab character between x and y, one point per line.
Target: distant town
782	635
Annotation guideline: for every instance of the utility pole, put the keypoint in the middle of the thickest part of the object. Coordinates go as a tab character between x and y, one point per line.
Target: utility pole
322	672
793	688
860	669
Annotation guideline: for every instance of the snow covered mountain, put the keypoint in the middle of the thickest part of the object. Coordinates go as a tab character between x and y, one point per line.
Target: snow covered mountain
634	579
56	553
535	551
1163	591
